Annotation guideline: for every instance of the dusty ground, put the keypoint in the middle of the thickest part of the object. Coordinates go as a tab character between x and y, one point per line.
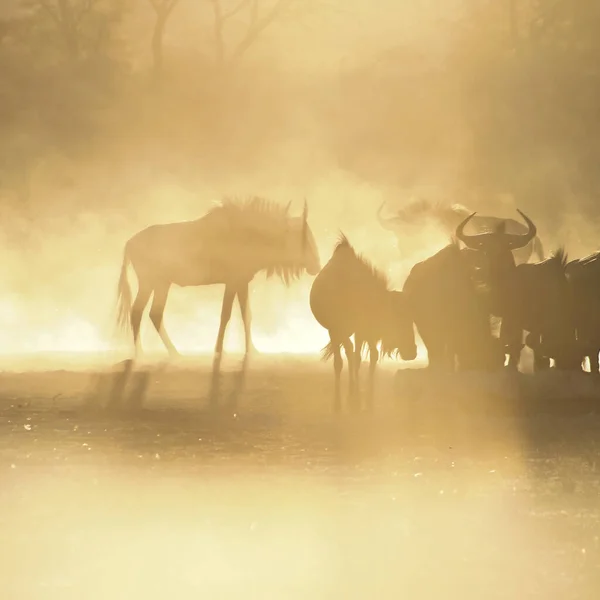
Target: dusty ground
280	499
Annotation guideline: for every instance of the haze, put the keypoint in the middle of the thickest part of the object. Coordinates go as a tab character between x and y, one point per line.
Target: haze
346	104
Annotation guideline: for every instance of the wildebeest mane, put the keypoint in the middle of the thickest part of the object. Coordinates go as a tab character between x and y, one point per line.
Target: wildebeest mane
424	207
559	258
364	266
261	221
593	258
252	206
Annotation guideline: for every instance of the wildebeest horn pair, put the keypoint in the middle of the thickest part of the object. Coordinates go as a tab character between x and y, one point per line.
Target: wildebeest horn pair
513	241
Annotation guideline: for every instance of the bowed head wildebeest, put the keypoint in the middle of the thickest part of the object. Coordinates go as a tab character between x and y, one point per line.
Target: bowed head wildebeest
451	314
229	245
449	217
532	297
350	296
584	276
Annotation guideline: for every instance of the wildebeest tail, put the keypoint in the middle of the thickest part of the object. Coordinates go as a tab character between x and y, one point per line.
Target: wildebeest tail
328	350
124	298
538	248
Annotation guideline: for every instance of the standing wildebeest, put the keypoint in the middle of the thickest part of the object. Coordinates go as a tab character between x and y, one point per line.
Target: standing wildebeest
449	217
350	296
451	313
584	276
532	297
230	244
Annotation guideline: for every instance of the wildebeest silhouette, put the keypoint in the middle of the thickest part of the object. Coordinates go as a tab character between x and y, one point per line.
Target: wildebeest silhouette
584	276
229	245
532	297
350	296
451	312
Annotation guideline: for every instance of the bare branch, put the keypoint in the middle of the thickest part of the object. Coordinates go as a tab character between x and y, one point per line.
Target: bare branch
254	13
235	10
53	14
86	8
163	8
258	25
218	29
170	6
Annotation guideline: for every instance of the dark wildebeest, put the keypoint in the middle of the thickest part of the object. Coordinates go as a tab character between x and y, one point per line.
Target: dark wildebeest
584	276
451	313
449	217
532	297
350	296
233	242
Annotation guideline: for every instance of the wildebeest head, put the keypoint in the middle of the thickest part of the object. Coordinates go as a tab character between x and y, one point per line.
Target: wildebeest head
399	334
497	245
307	246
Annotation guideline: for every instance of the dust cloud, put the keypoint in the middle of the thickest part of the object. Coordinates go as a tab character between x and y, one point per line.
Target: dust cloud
116	115
160	151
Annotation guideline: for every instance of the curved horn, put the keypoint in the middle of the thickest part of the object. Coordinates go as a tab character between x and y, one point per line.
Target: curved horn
385	223
520	241
470	241
304	226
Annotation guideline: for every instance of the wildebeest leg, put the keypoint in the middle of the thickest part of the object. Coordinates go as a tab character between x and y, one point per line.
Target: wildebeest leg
157	311
242	295
225	317
338	365
511	336
137	310
228	298
594	363
352	394
540	361
373	358
358	344
240	379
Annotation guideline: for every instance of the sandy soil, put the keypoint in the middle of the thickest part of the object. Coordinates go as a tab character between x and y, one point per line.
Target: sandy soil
279	499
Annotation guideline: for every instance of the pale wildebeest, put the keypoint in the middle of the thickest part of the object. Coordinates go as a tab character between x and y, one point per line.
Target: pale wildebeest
350	296
451	312
584	276
229	245
449	217
527	297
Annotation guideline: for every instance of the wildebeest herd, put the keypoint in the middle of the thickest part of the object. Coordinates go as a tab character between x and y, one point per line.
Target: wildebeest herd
450	297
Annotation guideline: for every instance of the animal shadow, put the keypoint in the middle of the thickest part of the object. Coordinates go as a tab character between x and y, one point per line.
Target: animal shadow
215	393
120	388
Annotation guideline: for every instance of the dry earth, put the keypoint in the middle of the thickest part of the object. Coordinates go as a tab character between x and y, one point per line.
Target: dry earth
279	499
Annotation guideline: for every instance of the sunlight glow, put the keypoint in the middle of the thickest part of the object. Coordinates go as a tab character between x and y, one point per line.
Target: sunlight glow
73	310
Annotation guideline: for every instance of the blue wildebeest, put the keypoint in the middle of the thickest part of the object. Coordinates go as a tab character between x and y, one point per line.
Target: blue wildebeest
527	297
451	312
350	296
584	276
449	217
229	245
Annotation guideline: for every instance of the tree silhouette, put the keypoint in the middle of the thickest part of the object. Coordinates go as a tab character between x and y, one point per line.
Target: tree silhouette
257	19
163	10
